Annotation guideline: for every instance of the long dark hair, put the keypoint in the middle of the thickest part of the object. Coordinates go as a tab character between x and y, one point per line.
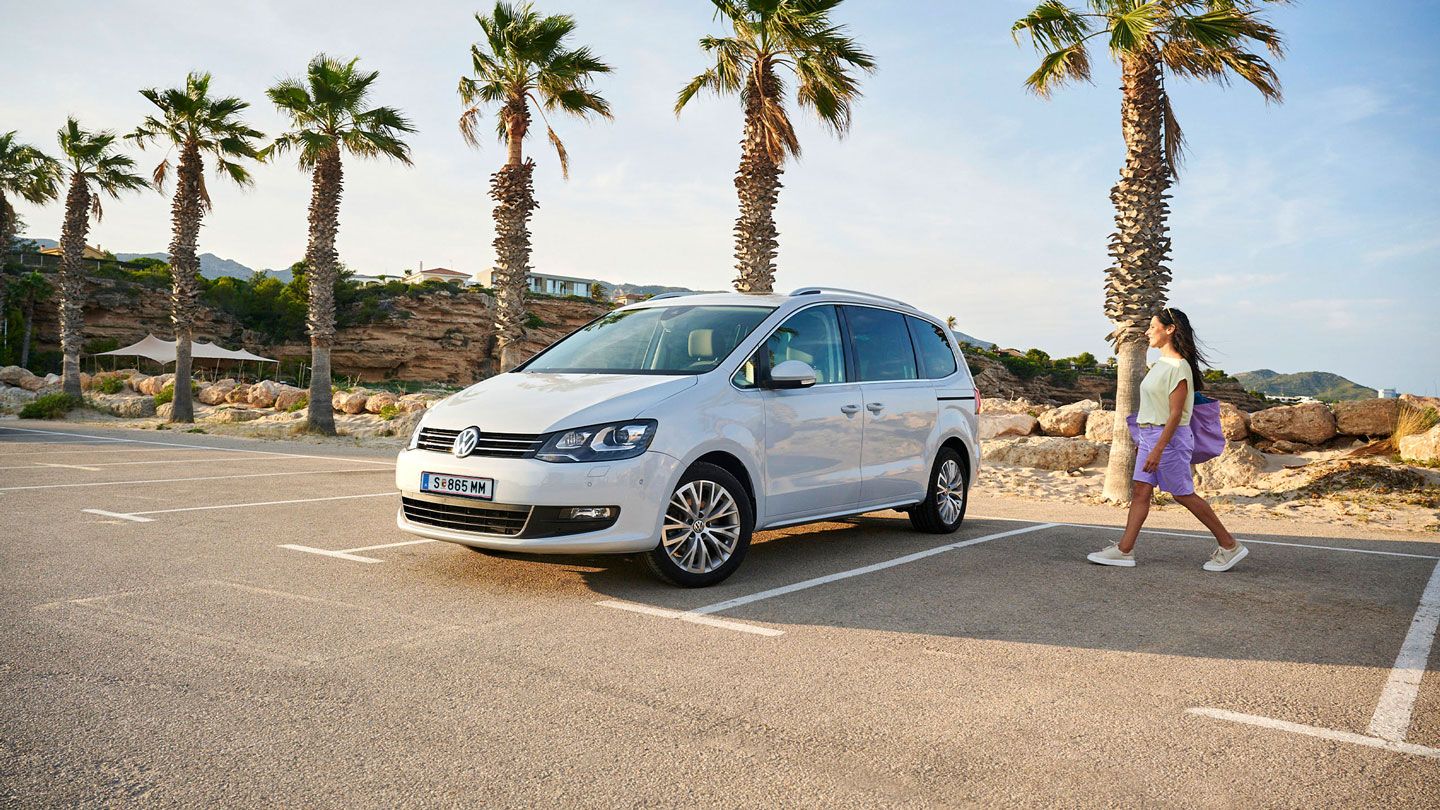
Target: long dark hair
1185	342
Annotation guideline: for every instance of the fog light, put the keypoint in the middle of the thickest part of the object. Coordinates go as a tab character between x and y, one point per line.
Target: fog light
587	513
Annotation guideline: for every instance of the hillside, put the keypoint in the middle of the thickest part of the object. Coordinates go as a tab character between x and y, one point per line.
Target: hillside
211	266
1319	384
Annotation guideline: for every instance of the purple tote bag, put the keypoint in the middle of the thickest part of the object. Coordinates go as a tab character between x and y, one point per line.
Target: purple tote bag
1204	424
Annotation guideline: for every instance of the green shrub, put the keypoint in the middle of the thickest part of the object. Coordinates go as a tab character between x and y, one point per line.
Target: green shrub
299	405
533	321
388	412
50	406
110	385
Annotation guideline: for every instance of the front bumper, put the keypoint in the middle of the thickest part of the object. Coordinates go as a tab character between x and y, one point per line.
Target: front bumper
640	487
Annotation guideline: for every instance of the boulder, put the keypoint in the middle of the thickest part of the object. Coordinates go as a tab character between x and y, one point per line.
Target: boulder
136	380
351	402
1367	417
12	399
215	393
1044	453
240	394
1067	420
415	403
1239	466
12	375
1421	447
150	386
234	414
90	382
1234	423
128	406
33	383
1309	423
1100	425
288	395
262	394
1014	424
165	411
378	401
56	379
997	405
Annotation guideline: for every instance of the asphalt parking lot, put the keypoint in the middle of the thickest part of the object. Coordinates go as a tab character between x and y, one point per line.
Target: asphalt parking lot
191	620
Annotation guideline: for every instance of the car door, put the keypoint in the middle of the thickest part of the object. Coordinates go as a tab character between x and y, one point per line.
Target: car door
899	406
812	435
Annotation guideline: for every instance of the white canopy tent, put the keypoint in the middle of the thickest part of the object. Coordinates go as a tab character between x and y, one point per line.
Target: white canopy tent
163	352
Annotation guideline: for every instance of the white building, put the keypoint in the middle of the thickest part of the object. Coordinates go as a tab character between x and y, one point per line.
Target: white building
545	283
1387	393
436	274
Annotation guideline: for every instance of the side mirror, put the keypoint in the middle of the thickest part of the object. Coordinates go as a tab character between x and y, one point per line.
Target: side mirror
791	374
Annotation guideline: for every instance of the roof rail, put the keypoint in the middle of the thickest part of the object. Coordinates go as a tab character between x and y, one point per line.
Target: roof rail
857	293
676	294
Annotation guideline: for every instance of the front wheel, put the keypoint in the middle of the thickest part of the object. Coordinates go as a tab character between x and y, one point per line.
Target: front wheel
943	509
706	530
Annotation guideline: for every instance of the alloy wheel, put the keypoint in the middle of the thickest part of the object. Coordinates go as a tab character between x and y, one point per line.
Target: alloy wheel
950	492
702	527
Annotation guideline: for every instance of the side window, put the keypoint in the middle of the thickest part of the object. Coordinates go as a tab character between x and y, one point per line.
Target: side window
881	344
811	335
936	357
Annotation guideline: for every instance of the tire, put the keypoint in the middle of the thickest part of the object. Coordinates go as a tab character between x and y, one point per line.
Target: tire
940	513
710	497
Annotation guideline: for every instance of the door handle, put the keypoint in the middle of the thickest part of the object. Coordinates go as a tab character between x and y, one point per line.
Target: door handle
849	410
874	407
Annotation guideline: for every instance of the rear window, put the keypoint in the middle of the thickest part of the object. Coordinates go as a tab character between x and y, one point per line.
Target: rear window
932	348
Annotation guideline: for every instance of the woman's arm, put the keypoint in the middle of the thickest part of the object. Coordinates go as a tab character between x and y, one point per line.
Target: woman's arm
1177	411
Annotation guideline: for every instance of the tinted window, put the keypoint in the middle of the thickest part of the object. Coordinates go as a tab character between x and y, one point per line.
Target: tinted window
811	335
881	344
655	340
936	358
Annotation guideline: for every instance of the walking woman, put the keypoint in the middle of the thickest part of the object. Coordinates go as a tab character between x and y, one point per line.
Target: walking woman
1167	397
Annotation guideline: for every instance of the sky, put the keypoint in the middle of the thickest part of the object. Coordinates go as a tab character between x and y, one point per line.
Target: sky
1306	234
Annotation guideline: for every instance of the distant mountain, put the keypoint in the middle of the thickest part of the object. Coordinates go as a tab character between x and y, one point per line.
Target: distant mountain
973	341
211	266
1318	384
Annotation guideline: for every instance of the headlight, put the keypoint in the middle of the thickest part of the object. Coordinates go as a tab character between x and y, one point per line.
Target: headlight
616	440
415	437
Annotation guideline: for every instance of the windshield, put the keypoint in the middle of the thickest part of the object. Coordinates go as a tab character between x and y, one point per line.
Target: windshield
655	340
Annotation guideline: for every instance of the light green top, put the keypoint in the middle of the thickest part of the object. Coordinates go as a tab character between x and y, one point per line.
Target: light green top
1155	391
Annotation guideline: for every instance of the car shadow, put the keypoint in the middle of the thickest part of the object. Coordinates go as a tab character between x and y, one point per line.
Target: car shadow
1283	603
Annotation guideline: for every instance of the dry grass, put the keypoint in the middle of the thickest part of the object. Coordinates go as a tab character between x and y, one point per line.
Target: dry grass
1412	421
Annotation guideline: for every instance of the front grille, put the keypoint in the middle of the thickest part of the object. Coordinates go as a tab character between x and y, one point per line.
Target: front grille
493	445
485	519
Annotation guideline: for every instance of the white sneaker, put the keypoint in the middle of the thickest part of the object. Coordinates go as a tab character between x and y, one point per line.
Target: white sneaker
1112	555
1225	558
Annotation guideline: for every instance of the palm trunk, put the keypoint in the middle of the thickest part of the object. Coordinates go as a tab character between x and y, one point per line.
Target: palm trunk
757	183
323	265
72	282
7	236
513	190
1137	284
29	314
186	212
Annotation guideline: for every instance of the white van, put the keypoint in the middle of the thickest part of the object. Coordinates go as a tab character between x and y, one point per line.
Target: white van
677	426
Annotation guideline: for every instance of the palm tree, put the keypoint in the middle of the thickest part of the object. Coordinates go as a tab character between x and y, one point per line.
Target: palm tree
94	169
950	322
330	114
29	174
197	125
1193	39
796	35
524	59
28	290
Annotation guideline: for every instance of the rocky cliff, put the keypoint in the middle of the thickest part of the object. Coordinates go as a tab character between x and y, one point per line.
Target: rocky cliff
995	380
443	336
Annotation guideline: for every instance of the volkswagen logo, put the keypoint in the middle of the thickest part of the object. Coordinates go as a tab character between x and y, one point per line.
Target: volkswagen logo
465	443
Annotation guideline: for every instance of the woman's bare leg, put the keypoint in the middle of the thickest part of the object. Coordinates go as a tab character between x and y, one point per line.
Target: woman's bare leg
1139	510
1200	509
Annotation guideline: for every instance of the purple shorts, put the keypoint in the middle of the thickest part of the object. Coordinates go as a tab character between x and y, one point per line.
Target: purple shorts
1173	476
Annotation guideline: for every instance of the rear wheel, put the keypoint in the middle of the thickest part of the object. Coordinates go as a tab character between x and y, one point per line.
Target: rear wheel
943	509
706	530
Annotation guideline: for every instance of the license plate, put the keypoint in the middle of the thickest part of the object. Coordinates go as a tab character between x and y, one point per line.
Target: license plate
463	485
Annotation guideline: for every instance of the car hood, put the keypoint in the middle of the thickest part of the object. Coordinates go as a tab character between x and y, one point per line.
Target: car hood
538	402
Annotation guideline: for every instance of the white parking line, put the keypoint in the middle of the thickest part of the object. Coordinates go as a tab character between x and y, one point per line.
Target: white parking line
348	553
1397	699
197	446
43	464
194	478
1316	731
868	569
693	618
137	516
96	467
